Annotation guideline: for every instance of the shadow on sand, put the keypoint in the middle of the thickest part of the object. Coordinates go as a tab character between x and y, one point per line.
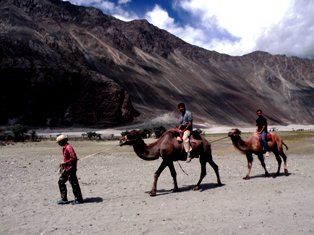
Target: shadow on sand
271	175
186	188
93	200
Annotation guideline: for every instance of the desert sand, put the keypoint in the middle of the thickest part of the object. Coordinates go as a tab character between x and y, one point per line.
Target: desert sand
115	185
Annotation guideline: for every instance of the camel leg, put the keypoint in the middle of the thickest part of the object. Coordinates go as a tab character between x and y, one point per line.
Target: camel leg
284	157
261	159
249	158
279	162
174	176
162	166
203	174
216	169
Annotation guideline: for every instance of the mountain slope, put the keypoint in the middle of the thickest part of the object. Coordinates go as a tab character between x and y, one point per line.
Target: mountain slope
63	64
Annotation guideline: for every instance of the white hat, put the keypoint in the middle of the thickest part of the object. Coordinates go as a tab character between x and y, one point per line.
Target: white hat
61	137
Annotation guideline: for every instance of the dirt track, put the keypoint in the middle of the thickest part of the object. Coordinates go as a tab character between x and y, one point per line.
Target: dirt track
115	183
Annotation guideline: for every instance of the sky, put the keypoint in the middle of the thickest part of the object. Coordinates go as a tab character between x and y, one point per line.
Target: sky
233	27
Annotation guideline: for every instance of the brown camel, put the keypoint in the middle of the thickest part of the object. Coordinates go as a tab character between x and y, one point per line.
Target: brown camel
169	149
253	146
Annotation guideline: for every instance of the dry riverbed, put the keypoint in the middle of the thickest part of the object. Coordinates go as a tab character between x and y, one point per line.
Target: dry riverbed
115	182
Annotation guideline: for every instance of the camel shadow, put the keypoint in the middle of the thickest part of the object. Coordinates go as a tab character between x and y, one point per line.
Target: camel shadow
186	188
260	176
280	174
93	200
203	187
271	175
161	192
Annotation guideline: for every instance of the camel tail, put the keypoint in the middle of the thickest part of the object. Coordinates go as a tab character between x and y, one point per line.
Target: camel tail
285	145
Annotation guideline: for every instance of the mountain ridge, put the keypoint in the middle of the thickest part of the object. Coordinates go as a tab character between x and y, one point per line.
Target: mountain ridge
115	72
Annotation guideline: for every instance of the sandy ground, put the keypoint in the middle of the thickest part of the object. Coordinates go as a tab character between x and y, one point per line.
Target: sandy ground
115	182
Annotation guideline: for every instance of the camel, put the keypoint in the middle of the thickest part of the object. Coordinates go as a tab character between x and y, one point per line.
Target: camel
169	149
253	146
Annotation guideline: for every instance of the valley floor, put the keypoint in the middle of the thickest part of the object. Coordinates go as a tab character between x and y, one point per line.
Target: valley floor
115	183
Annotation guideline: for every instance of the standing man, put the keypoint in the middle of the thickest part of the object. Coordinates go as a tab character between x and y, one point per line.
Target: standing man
185	128
68	167
261	128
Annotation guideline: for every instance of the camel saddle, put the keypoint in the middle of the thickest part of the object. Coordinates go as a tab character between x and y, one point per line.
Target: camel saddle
268	137
195	135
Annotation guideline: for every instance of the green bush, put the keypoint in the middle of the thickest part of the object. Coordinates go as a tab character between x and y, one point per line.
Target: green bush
20	133
199	131
34	136
158	131
93	135
123	133
146	133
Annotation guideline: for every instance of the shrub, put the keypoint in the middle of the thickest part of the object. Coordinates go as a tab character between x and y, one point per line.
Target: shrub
93	135
34	136
146	133
19	133
123	133
199	131
158	131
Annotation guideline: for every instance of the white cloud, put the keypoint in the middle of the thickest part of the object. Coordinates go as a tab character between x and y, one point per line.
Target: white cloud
242	19
294	34
100	4
109	7
124	1
229	26
160	18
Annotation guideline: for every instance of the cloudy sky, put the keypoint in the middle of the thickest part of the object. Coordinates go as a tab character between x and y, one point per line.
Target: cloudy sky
233	27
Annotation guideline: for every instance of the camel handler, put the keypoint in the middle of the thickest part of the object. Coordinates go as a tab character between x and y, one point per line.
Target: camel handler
185	129
68	172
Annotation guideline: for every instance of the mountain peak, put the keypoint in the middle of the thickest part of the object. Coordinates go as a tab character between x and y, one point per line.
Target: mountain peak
76	65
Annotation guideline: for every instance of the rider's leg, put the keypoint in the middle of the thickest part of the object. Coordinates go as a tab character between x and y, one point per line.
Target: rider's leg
265	144
186	144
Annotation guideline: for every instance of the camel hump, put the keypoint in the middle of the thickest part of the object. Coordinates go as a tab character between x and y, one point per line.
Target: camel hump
172	131
196	135
269	136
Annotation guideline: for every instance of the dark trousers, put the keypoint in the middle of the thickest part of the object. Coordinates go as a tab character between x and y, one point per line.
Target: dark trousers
264	141
71	176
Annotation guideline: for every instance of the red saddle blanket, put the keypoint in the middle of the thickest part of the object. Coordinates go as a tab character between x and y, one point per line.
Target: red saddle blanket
269	137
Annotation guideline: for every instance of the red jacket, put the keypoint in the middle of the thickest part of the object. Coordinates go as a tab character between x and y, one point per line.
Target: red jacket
69	157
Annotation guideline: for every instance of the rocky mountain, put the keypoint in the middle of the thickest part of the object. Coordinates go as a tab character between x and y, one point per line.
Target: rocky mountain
62	64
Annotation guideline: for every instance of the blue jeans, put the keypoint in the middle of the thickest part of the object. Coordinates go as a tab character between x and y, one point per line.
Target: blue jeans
264	141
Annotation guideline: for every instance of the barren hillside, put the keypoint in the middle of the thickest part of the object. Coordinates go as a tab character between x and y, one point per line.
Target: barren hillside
62	64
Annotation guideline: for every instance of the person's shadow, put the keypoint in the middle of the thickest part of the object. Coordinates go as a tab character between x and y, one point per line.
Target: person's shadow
93	200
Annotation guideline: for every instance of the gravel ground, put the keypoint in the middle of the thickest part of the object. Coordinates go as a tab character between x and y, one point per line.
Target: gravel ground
115	185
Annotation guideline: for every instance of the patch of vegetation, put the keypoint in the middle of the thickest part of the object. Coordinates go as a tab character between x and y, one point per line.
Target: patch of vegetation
91	135
124	133
18	133
148	132
158	131
199	131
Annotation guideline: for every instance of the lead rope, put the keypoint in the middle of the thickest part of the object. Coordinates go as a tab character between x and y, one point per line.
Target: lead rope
182	168
209	142
219	139
101	151
60	169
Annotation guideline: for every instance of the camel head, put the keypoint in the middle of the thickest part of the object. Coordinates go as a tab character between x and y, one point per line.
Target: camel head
234	132
131	137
